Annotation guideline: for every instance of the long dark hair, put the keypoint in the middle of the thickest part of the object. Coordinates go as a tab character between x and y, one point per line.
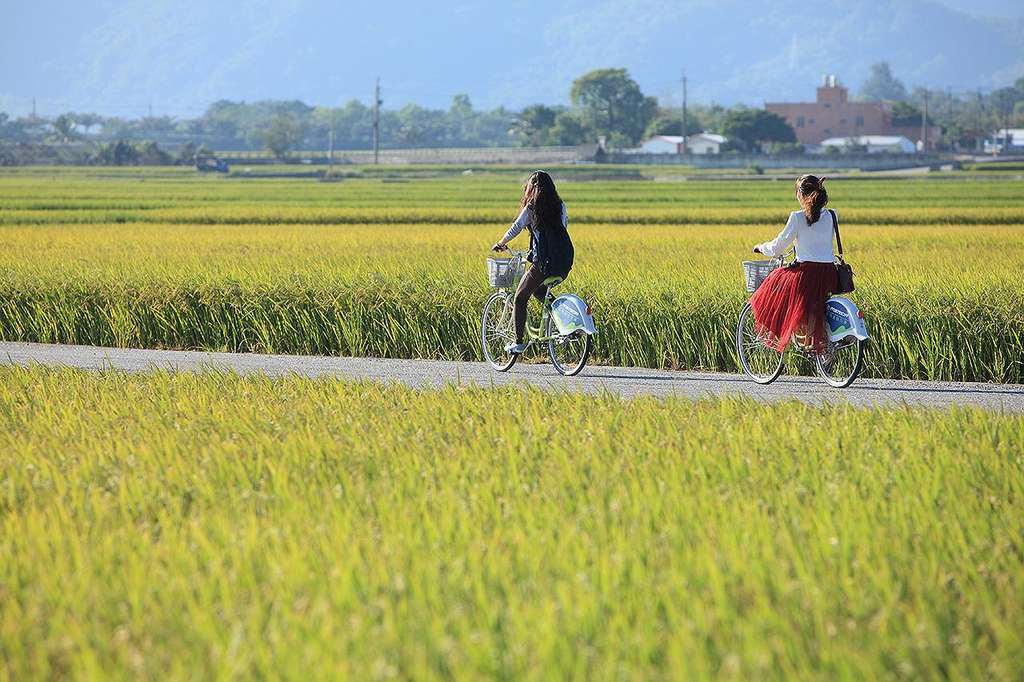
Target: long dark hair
810	192
540	195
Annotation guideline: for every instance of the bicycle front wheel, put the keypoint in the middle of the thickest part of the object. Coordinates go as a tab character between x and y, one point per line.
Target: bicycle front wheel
760	362
568	354
841	363
497	330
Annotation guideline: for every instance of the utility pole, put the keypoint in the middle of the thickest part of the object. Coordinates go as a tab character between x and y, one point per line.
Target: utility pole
33	108
685	121
330	153
949	105
924	124
376	122
1007	110
978	136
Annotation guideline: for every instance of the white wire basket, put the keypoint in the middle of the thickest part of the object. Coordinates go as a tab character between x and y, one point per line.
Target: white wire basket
504	273
755	271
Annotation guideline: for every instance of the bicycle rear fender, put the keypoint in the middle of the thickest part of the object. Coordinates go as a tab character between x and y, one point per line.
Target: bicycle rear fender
571	313
844	319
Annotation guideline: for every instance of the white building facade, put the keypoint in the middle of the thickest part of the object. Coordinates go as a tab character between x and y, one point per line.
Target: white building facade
873	144
700	143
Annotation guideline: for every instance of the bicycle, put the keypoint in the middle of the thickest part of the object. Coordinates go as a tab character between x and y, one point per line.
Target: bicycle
839	364
566	324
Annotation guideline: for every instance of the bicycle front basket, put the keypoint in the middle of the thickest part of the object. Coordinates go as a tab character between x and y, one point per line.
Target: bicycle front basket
755	271
504	273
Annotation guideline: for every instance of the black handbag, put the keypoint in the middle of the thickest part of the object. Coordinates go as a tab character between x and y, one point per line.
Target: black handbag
844	273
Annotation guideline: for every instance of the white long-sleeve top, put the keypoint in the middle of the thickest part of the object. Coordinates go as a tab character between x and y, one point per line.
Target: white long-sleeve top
525	220
813	242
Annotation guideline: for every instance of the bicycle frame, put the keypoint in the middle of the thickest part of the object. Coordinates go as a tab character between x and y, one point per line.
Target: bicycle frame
570	312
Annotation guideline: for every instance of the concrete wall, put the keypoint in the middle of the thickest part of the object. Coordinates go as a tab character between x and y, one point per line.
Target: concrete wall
468	156
828	161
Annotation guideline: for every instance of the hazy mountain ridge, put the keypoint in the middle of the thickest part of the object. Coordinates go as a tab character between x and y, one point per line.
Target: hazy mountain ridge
180	56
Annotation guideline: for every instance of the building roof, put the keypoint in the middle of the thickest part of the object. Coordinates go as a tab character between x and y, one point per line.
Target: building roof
678	139
714	137
866	140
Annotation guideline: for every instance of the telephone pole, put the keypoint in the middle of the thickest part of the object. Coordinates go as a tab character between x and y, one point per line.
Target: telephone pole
376	122
330	152
977	125
685	121
924	124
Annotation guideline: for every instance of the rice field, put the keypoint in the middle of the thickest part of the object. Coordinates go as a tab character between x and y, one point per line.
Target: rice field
394	266
160	526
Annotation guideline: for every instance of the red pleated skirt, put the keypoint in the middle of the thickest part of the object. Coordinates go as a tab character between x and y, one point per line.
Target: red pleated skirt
791	302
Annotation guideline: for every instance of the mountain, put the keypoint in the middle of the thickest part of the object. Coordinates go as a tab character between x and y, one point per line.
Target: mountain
120	57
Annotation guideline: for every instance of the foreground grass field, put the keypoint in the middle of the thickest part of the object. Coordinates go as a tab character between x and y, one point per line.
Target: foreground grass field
209	526
389	267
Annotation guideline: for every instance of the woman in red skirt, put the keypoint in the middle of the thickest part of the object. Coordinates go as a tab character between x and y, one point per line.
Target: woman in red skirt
791	300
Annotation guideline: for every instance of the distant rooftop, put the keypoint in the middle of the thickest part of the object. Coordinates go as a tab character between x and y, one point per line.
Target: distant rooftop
867	140
678	139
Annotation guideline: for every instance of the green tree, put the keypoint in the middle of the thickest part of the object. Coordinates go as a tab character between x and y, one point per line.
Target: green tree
149	154
420	127
904	114
612	105
461	106
882	85
461	121
748	129
671	123
329	120
87	120
568	130
533	125
64	128
282	135
186	154
119	153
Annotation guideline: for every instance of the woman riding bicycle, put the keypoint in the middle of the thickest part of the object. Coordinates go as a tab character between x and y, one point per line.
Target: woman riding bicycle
543	213
791	301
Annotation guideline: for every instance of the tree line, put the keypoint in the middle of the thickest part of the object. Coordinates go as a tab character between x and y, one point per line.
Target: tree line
603	104
965	117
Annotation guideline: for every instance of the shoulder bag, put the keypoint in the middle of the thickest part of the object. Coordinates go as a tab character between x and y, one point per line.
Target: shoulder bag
844	273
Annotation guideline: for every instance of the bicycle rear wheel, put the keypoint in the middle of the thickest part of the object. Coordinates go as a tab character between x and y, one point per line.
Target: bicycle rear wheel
568	354
841	363
759	362
497	330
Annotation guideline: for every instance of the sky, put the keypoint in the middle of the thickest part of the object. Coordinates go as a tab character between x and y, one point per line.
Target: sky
175	57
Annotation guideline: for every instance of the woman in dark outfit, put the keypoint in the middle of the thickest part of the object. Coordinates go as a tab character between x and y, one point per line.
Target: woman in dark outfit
543	213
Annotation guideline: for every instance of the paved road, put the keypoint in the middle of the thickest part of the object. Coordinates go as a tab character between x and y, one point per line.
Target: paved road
627	382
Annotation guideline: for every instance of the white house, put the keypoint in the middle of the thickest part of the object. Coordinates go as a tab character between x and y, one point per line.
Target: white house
700	143
874	144
661	144
1012	139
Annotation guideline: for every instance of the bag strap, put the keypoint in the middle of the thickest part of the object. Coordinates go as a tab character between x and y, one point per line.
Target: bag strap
835	227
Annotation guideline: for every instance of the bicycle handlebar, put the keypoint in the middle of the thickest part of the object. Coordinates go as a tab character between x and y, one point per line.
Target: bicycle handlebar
514	254
782	258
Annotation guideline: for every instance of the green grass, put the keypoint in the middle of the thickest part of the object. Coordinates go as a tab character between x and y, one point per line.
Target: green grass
210	526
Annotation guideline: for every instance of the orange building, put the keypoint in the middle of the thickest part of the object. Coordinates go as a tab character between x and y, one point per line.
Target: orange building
834	115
